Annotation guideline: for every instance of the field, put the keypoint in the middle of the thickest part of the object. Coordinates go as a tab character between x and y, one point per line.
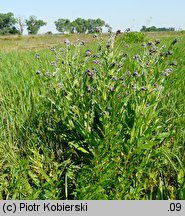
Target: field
92	117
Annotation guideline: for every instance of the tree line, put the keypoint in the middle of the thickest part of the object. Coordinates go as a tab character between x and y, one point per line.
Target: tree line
9	24
80	25
155	29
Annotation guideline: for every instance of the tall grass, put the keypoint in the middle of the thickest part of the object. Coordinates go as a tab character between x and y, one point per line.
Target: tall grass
102	120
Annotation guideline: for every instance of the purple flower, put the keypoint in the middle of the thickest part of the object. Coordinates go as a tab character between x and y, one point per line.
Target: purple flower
53	63
114	78
153	50
98	30
150	43
134	87
135	74
48	74
118	32
122	78
157	41
167	71
59	85
89	72
112	89
174	63
67	42
143	88
82	43
37	56
137	57
169	52
88	89
53	49
61	49
39	72
95	61
88	53
109	44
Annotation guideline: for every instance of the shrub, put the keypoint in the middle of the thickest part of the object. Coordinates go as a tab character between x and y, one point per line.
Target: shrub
101	112
134	37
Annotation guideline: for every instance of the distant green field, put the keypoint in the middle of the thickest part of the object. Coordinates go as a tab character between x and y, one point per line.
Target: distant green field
37	42
92	117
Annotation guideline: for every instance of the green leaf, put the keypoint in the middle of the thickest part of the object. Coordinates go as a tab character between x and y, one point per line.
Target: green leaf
181	176
79	148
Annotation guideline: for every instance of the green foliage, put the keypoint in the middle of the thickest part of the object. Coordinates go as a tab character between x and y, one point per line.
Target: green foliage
7	22
33	25
63	25
100	121
93	25
79	25
155	29
134	37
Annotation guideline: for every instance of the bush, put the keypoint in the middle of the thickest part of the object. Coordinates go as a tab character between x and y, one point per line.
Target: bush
102	113
134	37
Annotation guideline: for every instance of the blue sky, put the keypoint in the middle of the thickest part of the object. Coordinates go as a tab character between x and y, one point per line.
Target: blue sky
120	14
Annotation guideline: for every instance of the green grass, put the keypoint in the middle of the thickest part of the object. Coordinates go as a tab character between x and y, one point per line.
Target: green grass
83	125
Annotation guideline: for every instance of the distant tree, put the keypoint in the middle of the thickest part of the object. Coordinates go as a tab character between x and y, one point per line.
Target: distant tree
79	25
21	24
49	33
143	29
166	29
127	30
99	23
33	24
63	25
7	23
148	29
94	24
87	26
73	27
14	30
155	29
109	28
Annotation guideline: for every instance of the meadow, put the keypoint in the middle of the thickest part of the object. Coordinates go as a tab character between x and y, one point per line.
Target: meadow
92	116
